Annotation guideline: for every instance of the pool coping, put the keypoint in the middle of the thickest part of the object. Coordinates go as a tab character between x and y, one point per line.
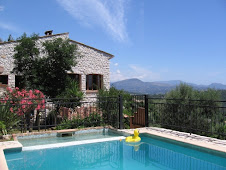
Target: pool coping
57	131
9	145
192	139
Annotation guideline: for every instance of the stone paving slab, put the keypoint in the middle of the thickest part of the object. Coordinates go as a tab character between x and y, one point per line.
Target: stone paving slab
3	164
7	145
10	145
194	139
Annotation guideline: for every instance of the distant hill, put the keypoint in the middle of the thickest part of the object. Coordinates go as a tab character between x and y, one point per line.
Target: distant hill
217	86
158	87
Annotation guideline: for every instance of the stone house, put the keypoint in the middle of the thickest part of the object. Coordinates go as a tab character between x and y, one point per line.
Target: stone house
92	71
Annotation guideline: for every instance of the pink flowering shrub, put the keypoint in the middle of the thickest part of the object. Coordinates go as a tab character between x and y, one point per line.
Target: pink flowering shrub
23	101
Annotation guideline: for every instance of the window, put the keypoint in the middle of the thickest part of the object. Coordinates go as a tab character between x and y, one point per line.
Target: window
18	82
94	82
4	79
77	78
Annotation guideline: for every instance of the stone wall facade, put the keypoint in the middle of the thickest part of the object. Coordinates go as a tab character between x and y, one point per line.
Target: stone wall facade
92	61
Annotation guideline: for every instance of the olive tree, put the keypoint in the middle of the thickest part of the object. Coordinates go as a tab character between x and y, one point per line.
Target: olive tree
190	110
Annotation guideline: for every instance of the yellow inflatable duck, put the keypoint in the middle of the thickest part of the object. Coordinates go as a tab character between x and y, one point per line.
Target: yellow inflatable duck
134	138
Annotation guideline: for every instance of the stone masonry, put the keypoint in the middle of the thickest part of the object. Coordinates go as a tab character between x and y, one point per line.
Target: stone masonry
92	61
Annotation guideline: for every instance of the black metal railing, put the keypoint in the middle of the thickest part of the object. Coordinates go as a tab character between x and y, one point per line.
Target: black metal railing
204	117
31	114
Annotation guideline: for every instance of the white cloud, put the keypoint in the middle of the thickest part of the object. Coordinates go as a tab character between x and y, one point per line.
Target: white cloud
8	26
1	8
134	71
109	14
116	64
117	76
143	73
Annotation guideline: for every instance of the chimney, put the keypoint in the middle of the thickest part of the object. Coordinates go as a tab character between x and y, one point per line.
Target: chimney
49	32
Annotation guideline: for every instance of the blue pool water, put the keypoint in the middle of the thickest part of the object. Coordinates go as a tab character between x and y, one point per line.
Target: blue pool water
78	136
150	153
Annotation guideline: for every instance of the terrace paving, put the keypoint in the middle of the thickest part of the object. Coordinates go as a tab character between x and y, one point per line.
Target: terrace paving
194	139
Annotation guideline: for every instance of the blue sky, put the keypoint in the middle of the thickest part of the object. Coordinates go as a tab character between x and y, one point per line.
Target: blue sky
152	40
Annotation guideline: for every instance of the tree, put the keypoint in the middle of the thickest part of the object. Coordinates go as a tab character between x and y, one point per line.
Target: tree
223	94
26	60
177	110
108	102
10	38
188	109
60	57
183	92
49	72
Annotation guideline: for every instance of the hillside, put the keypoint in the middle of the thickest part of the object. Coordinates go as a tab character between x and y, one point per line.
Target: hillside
158	87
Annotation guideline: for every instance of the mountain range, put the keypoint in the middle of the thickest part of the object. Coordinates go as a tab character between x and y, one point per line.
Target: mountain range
158	87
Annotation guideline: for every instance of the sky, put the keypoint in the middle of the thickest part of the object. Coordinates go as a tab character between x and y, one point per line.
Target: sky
152	40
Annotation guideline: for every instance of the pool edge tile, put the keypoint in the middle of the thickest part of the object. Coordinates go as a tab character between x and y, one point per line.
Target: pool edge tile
4	146
3	163
203	144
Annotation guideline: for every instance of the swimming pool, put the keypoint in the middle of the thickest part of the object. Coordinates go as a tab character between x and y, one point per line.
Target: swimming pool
77	136
150	153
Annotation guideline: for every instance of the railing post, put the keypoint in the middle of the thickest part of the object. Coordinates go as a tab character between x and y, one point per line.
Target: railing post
189	105
120	112
146	110
45	114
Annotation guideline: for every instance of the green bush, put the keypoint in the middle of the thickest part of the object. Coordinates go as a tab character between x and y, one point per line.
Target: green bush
71	94
108	102
9	120
65	124
191	110
3	128
93	120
